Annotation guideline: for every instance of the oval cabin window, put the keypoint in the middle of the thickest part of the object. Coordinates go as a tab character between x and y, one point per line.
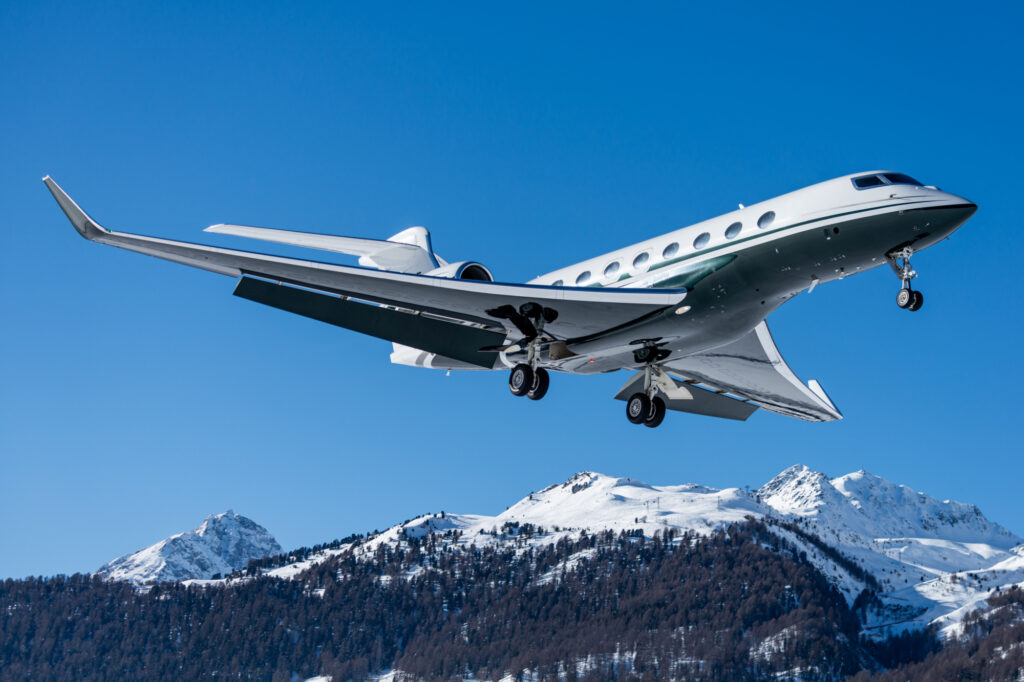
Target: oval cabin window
766	220
670	250
583	278
702	240
612	268
557	283
641	260
733	230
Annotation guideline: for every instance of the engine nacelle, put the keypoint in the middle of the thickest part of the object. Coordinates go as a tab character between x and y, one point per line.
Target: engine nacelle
464	270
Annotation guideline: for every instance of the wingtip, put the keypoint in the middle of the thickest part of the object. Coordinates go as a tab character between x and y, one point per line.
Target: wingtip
86	226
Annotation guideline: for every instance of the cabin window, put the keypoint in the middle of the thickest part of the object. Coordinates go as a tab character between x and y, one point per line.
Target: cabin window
641	260
584	277
733	230
765	221
900	179
702	240
557	283
670	250
865	181
612	268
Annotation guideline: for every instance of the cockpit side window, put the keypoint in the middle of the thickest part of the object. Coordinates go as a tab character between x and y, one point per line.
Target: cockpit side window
865	181
901	179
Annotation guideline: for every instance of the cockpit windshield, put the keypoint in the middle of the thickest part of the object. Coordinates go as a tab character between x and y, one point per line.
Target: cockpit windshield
880	179
901	179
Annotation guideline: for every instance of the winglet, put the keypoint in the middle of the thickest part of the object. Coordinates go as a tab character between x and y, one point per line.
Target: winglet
86	226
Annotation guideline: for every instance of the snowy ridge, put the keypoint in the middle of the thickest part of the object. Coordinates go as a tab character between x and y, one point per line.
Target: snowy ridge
591	502
871	506
920	549
221	544
935	560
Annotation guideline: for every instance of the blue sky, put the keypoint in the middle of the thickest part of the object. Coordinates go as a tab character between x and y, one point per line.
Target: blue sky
138	396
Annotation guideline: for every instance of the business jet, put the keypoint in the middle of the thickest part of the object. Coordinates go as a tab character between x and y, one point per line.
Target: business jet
684	312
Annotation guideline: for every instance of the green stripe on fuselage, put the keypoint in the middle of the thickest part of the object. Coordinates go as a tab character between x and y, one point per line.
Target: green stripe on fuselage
687	275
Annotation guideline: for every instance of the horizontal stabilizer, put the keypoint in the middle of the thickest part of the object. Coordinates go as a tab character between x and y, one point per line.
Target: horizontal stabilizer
401	253
449	339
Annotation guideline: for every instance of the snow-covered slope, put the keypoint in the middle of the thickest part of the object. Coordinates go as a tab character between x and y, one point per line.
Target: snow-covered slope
593	502
869	506
221	544
932	559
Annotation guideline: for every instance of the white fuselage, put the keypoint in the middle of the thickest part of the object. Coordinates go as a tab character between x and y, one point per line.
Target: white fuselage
740	266
825	204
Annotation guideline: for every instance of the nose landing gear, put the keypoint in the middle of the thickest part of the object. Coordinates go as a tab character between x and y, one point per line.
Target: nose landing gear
907	298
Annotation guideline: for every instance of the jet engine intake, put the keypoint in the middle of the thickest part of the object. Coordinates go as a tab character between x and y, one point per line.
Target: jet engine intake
464	270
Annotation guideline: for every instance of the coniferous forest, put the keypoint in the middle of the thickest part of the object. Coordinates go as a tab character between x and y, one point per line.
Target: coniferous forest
740	604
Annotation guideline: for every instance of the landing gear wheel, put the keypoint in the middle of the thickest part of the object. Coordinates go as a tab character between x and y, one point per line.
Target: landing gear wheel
916	300
541	381
638	407
520	380
656	415
905	298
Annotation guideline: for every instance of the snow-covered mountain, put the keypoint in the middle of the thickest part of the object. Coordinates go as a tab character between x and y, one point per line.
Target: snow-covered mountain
934	560
221	544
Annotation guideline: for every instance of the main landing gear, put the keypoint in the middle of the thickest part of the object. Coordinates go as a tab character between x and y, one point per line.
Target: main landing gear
527	378
646	407
524	380
907	298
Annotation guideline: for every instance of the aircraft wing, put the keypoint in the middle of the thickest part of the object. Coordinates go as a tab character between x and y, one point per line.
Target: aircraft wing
753	370
580	311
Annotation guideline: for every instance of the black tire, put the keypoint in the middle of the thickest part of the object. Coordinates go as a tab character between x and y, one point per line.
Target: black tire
541	381
657	413
904	298
917	300
520	379
637	407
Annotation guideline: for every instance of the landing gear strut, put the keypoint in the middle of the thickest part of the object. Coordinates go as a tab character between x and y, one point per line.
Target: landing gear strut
646	407
907	298
527	378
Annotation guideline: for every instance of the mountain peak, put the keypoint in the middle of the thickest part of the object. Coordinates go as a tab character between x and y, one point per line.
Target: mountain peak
874	507
220	544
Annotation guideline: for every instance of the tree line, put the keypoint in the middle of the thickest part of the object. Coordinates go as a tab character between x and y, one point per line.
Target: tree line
740	604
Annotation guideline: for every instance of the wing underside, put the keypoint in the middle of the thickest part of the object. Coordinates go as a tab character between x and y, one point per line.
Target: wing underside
753	371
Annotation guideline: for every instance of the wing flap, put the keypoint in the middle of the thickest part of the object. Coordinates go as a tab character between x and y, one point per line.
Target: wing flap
701	401
449	339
